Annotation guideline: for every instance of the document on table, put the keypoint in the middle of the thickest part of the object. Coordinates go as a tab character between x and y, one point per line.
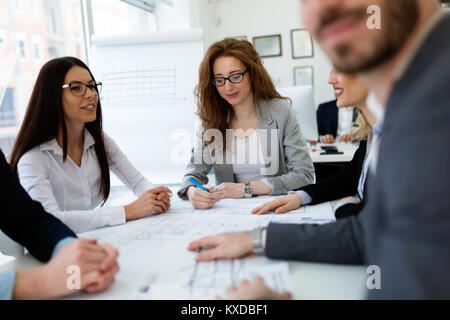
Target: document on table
182	221
155	262
190	280
319	214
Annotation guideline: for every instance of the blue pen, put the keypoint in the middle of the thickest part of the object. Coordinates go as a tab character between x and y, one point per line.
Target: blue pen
195	182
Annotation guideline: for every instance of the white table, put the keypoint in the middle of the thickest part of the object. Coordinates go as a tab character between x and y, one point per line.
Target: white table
309	280
348	150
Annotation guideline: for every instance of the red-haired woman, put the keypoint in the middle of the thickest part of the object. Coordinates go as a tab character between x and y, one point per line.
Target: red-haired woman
264	153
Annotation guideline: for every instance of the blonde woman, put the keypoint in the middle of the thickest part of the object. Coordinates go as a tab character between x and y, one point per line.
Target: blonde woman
348	185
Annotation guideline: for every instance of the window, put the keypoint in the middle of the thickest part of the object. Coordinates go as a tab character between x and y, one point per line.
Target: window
53	52
58	32
32	8
3	39
8	116
18	6
147	5
22	45
112	17
53	21
37	47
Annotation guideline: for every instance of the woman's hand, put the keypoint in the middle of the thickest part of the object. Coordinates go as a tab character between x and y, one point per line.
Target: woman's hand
201	199
344	201
327	139
230	190
157	199
347	138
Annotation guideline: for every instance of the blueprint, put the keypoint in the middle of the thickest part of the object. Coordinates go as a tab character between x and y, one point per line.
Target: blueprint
155	263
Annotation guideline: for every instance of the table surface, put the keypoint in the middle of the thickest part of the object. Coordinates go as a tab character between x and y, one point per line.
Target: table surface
308	280
348	150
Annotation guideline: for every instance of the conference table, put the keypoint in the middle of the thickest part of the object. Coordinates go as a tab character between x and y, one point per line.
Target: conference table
307	280
347	149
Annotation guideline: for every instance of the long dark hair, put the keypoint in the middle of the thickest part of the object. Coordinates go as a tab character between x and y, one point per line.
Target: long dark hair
45	116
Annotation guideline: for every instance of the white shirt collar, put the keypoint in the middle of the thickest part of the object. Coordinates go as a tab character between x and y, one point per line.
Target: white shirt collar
52	145
375	106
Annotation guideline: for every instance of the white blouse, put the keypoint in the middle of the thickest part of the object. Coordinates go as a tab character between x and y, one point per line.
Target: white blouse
248	160
72	193
345	119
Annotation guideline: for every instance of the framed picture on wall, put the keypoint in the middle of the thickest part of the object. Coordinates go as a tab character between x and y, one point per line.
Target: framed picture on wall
304	76
268	46
241	38
302	44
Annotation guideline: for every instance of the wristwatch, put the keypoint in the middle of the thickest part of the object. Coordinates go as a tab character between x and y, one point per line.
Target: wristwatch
258	236
247	190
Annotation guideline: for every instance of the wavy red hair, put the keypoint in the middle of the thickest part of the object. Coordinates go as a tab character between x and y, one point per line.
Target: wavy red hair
212	108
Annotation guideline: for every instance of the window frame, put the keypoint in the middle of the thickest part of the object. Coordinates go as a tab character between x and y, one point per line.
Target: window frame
147	5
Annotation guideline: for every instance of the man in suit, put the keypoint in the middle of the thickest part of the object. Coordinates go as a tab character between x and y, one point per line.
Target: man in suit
49	240
333	122
404	228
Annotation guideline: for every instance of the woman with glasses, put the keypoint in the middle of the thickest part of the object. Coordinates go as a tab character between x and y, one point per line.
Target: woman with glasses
249	133
63	157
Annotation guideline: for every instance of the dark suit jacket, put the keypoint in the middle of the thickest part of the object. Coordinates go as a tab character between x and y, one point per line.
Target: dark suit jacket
340	185
327	118
24	220
405	226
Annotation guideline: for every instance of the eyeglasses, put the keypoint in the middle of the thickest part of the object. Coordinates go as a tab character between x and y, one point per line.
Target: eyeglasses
78	89
234	78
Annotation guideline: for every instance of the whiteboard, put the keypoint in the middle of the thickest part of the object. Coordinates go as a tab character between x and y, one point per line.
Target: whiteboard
147	98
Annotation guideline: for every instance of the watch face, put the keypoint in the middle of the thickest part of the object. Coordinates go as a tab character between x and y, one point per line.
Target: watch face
248	191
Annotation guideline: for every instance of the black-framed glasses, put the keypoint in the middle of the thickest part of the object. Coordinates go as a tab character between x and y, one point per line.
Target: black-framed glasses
78	89
234	78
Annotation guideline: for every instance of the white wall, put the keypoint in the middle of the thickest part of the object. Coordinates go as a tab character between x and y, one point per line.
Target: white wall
227	18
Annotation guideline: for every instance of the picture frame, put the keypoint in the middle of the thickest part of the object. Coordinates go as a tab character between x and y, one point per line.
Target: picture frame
304	76
302	44
268	46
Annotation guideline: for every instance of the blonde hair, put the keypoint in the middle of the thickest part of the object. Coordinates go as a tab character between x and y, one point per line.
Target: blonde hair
361	128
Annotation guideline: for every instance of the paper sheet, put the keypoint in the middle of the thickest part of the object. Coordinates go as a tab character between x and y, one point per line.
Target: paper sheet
191	280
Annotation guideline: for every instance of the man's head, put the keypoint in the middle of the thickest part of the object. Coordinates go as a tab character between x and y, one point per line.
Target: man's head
340	26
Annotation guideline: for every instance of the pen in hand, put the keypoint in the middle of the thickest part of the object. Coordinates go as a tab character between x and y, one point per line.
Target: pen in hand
198	185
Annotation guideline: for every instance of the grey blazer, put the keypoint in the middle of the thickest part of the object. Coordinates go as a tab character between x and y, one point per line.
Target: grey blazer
295	167
405	227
